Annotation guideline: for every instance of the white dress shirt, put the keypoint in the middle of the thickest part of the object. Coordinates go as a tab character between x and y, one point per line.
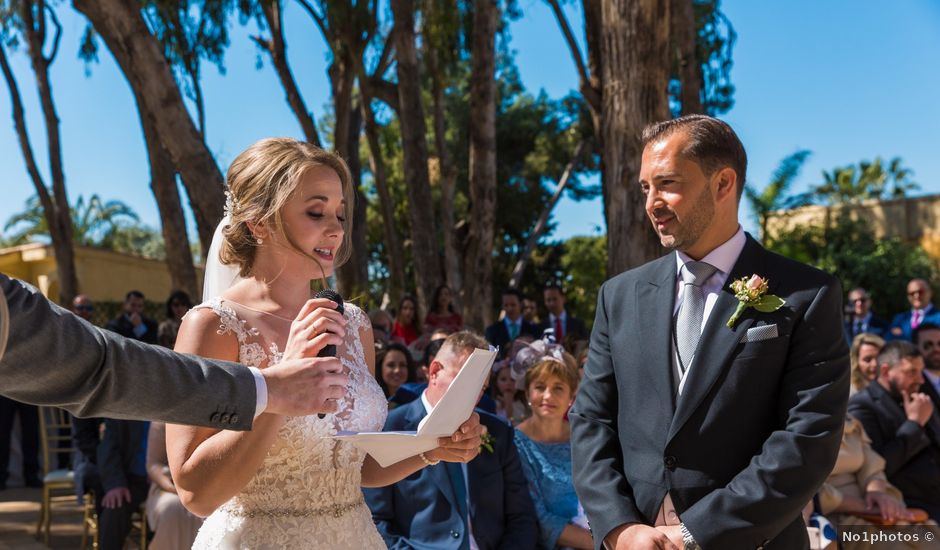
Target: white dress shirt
723	259
564	323
261	391
466	479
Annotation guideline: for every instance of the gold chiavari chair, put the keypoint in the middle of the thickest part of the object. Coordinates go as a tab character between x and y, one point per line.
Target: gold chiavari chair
58	485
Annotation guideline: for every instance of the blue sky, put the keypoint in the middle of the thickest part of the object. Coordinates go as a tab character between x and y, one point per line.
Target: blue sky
849	80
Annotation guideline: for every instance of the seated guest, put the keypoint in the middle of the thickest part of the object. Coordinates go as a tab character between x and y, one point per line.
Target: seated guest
29	440
863	356
545	450
86	436
84	307
172	524
381	326
394	367
858	485
442	315
862	319
407	327
176	307
510	400
530	311
919	295
567	328
927	339
122	461
902	425
132	323
483	504
512	325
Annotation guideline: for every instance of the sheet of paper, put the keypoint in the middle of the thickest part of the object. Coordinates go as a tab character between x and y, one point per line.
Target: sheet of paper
450	412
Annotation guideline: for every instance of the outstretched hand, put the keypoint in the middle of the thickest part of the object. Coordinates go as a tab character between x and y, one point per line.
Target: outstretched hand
463	445
300	387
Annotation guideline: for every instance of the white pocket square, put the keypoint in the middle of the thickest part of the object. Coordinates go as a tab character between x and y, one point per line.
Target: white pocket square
763	332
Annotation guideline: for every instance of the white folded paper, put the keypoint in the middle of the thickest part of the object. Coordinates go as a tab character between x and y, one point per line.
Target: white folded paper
451	411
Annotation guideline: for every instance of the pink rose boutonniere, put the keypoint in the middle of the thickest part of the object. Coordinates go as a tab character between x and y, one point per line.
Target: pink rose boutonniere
752	292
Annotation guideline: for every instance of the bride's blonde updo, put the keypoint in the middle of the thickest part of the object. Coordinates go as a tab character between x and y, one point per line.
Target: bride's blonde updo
260	182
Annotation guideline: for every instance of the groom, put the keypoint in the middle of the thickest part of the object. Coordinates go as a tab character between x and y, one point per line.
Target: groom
687	433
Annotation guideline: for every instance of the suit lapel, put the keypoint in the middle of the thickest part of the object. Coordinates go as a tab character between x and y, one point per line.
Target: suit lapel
656	299
437	473
717	340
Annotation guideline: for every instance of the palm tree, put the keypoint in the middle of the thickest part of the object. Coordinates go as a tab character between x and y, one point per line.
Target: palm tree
776	196
93	223
869	180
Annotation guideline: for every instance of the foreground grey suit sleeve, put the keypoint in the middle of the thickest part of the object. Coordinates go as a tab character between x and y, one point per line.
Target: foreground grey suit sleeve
54	358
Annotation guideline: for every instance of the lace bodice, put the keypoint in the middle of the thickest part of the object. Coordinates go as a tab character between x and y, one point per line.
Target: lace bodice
307	492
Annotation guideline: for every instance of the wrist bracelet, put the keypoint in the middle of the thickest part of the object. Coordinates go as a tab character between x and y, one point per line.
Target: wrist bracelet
426	461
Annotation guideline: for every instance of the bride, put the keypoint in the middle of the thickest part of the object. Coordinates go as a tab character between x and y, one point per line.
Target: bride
287	483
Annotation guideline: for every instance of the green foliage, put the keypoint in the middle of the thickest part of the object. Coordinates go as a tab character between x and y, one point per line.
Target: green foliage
584	265
104	224
776	195
867	180
535	135
713	48
848	249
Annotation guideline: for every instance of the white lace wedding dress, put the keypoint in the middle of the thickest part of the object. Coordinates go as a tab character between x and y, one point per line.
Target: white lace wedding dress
307	493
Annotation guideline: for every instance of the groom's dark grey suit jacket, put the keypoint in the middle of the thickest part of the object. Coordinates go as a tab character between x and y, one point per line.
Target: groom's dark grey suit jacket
53	357
758	425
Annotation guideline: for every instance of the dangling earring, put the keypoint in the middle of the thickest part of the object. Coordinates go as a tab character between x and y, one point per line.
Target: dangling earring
260	240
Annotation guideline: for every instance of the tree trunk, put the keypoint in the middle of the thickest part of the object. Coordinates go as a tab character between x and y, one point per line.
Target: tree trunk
478	268
353	276
690	72
635	74
123	29
427	265
276	47
179	259
393	249
55	206
452	250
542	222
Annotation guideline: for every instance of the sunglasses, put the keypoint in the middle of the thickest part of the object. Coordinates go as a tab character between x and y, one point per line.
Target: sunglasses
87	309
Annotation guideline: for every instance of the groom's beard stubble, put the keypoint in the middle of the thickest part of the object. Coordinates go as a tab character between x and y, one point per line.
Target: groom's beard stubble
687	229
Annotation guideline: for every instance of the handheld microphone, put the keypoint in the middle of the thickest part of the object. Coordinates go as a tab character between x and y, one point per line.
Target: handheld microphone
330	350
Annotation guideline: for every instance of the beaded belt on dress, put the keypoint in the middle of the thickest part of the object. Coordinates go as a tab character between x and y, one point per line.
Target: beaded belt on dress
334	510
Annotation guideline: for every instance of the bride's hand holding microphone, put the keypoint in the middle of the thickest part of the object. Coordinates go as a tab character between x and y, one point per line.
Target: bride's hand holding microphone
302	383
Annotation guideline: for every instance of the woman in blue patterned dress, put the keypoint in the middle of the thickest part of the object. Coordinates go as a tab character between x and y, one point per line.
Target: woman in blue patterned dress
544	447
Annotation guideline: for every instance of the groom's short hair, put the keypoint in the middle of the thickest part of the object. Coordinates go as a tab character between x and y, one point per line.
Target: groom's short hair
712	143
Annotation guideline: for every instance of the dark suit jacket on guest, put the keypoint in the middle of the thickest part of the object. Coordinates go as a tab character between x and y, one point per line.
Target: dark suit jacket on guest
575	329
911	452
903	321
498	335
122	442
125	328
876	326
53	357
756	429
420	511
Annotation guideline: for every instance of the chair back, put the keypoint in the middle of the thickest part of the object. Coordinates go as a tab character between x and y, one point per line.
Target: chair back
55	434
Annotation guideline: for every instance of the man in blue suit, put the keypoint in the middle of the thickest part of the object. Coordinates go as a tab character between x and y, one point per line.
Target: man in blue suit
483	505
922	311
862	319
